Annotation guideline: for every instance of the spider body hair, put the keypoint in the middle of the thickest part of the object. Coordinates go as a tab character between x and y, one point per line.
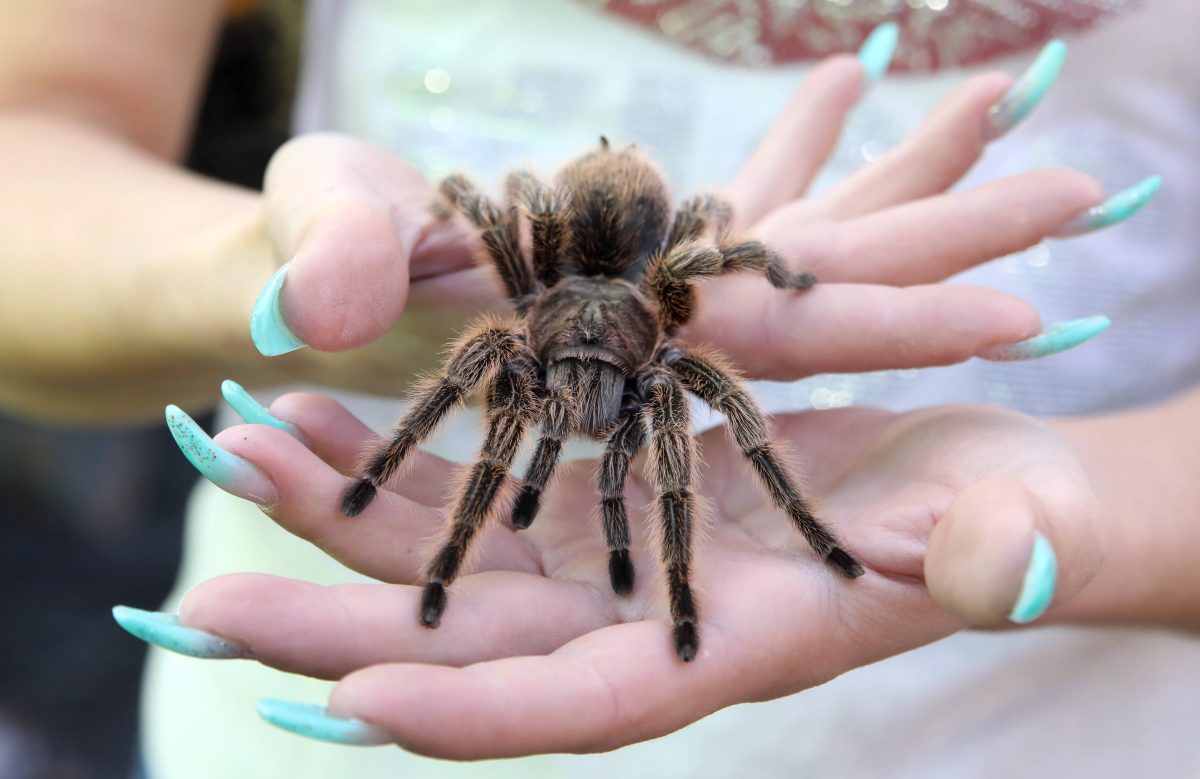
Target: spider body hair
591	351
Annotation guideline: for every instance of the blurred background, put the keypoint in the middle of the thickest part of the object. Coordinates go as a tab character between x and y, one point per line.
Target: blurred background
91	518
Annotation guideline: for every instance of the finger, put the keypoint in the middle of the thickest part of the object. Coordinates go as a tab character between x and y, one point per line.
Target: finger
1005	552
348	217
388	541
936	237
329	632
800	140
928	161
845	328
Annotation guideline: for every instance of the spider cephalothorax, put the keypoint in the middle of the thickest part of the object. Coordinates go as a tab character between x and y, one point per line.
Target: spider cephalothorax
591	351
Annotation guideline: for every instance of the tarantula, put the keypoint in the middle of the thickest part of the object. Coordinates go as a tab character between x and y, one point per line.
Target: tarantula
591	351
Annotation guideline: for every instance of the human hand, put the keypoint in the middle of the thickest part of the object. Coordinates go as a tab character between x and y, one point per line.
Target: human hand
941	506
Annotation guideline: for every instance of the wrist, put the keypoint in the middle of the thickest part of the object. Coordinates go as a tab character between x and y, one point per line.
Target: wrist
1142	465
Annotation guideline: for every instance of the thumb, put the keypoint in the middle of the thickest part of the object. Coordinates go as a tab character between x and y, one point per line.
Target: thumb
345	217
1003	552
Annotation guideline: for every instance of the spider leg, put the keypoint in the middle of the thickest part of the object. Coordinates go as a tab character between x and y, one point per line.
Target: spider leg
626	438
695	214
714	382
499	233
670	276
511	405
558	418
548	224
475	355
672	452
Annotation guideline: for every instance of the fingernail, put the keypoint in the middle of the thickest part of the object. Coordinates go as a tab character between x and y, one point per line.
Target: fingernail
1054	339
1117	208
876	51
1026	93
306	719
251	411
164	630
235	475
1038	589
269	332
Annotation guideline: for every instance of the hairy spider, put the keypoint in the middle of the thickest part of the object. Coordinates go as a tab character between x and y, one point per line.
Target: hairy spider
591	351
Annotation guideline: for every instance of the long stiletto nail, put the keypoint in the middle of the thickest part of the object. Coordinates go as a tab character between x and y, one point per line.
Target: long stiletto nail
268	329
1117	208
311	721
235	475
164	630
877	50
1054	339
1038	588
1026	93
251	411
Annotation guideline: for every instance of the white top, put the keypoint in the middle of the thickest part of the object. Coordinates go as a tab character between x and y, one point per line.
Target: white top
486	87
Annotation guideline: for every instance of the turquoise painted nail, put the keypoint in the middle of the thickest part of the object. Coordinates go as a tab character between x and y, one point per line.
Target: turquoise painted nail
1027	92
876	51
1117	208
1054	339
311	721
1038	589
251	411
231	473
164	630
269	332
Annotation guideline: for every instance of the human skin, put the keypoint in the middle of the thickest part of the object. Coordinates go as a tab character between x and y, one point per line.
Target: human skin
129	282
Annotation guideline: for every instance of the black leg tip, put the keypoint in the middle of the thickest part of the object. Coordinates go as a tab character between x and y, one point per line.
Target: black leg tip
805	281
620	571
687	641
433	603
358	497
847	566
526	508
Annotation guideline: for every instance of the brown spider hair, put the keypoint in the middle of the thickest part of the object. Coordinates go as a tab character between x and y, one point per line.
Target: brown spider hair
591	350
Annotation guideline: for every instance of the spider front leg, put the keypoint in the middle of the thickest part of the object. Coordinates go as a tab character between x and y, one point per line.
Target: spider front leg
714	382
672	453
558	420
474	357
511	405
626	438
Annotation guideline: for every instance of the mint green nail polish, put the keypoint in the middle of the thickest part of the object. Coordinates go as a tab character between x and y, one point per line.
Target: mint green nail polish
1027	92
305	719
876	51
1038	589
1054	339
231	473
164	630
251	411
1117	208
269	332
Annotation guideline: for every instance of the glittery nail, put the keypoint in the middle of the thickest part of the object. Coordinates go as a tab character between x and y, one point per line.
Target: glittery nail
1038	588
231	473
268	329
314	722
251	411
1026	93
877	50
163	630
1116	209
1054	339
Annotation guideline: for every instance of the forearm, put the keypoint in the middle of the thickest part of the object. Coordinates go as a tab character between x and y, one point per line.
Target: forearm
128	281
1144	465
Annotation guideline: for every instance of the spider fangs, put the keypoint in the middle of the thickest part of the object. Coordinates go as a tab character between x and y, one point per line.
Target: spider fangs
591	351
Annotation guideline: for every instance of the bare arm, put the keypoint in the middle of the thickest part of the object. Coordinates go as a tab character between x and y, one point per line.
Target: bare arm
121	268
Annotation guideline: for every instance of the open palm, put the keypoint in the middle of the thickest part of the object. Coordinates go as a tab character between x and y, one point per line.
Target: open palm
535	634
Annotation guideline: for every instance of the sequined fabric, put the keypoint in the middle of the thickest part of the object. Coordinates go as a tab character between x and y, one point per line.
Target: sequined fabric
934	33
